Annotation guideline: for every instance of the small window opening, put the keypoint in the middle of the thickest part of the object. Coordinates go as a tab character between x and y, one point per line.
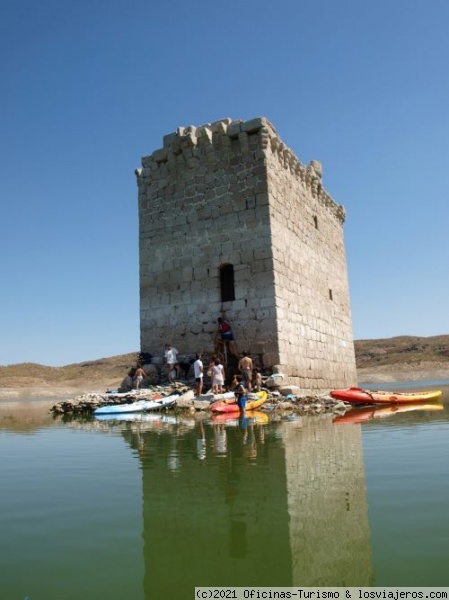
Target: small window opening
330	295
315	220
227	286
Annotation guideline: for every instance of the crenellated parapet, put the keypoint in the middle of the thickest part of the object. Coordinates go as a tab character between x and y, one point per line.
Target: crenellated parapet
188	147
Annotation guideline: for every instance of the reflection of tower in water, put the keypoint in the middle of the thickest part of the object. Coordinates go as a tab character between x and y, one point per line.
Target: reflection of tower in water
285	505
329	531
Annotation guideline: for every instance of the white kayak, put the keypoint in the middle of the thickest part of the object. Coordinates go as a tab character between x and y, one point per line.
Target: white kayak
138	406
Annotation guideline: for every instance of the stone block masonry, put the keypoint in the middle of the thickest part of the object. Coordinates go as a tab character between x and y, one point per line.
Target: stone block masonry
231	223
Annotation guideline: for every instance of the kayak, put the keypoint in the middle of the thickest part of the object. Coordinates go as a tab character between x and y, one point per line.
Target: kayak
355	395
227	406
358	415
139	406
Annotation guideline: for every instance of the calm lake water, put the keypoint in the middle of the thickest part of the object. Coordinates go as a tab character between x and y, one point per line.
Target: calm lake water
149	509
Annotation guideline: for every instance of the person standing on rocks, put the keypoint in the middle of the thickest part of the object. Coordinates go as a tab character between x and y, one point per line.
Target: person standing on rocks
241	395
246	370
258	381
198	369
171	360
139	376
217	377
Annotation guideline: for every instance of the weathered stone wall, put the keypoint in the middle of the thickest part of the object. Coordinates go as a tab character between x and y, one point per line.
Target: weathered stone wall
231	193
312	295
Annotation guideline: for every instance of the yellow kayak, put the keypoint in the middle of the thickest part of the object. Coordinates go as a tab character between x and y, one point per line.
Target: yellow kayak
226	406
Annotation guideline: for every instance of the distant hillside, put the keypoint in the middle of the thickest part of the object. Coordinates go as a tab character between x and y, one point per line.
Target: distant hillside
404	357
403	349
88	376
391	359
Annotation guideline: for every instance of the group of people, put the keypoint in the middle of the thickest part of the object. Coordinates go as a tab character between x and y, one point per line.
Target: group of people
242	384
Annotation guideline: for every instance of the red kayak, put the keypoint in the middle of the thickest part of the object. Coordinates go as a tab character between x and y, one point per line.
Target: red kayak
355	395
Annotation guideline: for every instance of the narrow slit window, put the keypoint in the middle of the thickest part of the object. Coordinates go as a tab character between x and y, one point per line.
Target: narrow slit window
315	220
227	285
330	295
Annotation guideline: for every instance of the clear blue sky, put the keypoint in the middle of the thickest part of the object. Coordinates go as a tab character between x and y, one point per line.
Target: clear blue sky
89	87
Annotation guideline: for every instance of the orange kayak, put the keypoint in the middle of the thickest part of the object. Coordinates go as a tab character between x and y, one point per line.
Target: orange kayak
355	395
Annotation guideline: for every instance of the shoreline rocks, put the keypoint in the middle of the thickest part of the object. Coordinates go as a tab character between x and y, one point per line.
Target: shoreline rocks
279	399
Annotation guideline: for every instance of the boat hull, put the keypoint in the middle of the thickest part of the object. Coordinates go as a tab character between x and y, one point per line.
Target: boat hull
356	395
135	407
230	406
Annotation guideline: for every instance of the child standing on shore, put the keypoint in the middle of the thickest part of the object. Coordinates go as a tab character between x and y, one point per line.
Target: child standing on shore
258	381
217	377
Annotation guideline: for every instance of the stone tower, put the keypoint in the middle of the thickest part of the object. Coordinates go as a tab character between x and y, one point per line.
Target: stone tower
231	223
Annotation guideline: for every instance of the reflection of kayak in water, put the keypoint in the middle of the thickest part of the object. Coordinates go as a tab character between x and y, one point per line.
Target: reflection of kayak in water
255	417
141	417
355	395
358	415
231	406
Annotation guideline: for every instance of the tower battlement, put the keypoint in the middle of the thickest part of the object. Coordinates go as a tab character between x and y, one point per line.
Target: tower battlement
185	146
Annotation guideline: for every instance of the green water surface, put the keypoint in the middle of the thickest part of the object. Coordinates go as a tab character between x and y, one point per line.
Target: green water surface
151	509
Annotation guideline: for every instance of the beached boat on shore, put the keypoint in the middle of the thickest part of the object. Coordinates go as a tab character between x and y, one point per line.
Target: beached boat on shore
139	406
226	406
355	395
